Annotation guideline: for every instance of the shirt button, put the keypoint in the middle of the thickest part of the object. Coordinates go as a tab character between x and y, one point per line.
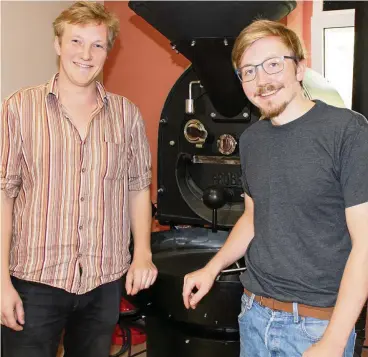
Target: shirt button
80	228
84	169
82	199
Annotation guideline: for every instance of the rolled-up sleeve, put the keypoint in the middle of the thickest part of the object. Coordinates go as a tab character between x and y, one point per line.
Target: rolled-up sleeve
140	170
11	149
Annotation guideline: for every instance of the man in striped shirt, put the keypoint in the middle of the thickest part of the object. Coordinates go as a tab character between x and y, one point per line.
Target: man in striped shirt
75	176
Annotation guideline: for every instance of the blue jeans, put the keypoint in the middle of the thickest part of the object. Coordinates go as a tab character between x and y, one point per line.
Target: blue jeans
270	333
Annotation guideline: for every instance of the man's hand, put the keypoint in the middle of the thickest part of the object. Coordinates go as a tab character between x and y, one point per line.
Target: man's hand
12	312
324	349
202	280
141	275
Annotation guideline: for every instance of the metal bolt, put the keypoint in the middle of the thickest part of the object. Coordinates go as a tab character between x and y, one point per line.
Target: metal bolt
171	142
245	115
187	341
163	121
193	43
173	47
213	115
205	315
169	316
216	322
225	42
160	190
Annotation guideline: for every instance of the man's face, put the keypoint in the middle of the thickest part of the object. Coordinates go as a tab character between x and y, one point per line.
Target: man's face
83	51
271	93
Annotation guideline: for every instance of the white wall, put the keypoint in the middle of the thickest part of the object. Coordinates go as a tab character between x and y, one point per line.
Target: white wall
27	53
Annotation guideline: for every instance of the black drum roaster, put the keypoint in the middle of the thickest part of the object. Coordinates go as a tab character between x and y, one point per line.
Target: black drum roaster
199	176
212	327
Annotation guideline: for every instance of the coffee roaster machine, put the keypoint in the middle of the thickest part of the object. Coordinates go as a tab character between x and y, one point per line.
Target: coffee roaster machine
199	171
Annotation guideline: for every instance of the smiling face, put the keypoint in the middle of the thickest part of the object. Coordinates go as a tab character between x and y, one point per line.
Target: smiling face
83	51
272	93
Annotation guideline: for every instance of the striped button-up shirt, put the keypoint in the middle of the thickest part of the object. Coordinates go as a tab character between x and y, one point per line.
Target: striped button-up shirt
71	225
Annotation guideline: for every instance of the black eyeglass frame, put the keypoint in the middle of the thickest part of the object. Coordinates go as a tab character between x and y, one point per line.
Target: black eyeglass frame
237	71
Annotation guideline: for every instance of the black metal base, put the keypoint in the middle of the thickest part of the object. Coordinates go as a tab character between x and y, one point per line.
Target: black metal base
167	339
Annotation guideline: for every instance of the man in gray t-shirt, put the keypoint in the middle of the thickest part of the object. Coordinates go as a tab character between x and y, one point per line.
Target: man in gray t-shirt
301	176
304	231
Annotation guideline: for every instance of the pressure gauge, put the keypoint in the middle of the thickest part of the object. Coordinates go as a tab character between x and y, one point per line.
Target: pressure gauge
226	144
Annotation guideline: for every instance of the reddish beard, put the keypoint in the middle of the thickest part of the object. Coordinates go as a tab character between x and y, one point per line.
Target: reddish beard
271	111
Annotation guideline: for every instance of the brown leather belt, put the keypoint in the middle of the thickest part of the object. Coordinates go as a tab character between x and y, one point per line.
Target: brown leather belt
322	313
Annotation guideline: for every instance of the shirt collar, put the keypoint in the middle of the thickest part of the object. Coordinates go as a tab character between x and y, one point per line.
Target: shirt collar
52	88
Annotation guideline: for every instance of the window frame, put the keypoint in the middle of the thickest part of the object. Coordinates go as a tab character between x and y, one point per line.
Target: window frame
319	22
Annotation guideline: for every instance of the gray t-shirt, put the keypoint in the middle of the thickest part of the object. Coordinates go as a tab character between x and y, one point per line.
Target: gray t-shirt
302	176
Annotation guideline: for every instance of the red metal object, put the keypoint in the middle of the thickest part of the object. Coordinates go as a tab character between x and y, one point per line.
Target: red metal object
126	306
138	336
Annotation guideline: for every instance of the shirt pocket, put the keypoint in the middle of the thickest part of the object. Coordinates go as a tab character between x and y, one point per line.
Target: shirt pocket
115	159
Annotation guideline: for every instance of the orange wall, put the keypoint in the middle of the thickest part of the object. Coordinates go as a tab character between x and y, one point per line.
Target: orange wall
143	67
299	20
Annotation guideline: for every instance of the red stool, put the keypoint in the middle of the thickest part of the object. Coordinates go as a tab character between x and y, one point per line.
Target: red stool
119	338
126	332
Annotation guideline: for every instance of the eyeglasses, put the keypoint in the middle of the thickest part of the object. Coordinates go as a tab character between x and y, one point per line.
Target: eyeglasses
270	66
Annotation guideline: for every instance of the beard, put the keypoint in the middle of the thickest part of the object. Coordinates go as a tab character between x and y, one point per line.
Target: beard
270	110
